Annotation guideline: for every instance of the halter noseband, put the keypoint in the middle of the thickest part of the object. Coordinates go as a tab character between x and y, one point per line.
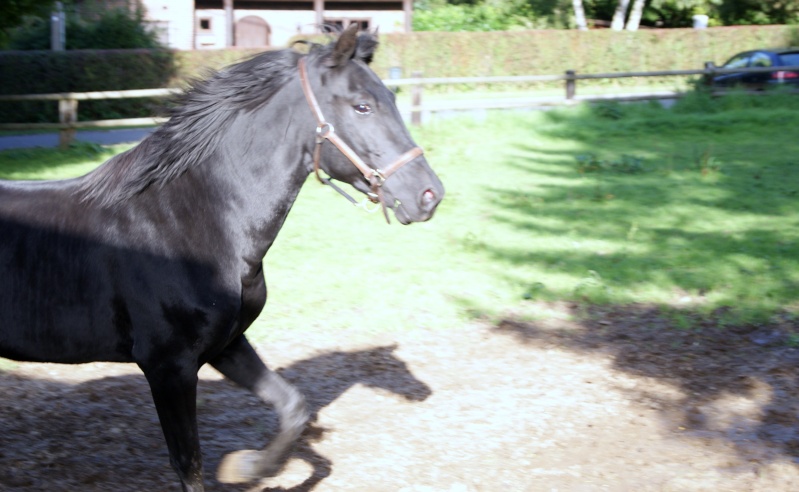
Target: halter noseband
325	131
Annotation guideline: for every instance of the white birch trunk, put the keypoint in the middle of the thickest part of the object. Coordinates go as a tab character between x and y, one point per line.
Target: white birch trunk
635	15
620	15
579	15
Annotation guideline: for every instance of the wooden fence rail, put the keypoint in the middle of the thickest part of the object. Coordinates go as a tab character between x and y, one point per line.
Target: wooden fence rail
68	101
68	111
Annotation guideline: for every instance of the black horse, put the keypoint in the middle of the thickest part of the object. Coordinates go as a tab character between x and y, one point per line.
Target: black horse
156	256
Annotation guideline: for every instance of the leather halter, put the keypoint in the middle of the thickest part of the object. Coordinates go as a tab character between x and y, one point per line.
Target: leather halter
325	131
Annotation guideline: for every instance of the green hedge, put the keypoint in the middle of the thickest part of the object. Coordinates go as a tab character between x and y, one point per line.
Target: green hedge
455	54
434	54
41	72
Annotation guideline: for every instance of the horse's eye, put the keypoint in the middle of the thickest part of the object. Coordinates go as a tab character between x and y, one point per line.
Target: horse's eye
362	108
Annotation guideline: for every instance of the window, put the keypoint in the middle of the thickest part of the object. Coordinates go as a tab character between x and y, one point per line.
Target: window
205	24
333	25
338	25
790	59
760	60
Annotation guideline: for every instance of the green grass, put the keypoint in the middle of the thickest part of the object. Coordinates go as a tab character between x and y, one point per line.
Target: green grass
695	209
44	163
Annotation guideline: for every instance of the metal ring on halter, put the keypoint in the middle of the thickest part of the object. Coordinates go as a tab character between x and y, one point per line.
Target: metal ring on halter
323	130
364	204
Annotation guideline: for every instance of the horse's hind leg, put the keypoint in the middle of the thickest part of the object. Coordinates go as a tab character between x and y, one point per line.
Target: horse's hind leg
174	390
241	364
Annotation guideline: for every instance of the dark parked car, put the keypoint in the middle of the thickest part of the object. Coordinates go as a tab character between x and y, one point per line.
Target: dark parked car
788	57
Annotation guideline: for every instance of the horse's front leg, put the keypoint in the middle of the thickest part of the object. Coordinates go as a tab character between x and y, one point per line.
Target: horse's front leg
241	364
174	389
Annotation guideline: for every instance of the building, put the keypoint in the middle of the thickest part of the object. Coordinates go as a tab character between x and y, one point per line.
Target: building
213	24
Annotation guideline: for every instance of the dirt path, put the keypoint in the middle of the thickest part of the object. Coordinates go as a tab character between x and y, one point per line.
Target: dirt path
619	401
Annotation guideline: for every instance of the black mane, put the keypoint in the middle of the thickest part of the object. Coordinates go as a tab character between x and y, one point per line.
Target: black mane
192	133
198	119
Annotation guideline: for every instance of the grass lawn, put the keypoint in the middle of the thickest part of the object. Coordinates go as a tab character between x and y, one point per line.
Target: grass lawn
694	208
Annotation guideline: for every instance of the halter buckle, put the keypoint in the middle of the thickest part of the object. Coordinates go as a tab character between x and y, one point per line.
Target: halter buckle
377	177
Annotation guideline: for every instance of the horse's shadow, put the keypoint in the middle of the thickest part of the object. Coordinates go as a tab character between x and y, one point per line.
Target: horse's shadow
323	379
104	433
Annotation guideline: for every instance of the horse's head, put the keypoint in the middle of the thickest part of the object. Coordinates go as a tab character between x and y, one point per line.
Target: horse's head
371	148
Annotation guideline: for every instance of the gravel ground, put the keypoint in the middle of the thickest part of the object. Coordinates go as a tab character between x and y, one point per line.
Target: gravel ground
615	399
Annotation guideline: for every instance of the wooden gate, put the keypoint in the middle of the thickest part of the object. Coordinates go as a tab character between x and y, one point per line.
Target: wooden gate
252	32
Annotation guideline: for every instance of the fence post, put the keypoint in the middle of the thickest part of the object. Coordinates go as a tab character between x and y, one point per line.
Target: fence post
571	85
67	116
710	69
416	100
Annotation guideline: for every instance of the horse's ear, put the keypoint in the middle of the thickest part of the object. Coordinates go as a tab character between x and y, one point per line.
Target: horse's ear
345	47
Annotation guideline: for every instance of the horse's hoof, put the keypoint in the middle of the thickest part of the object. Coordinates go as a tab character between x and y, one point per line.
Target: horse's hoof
239	467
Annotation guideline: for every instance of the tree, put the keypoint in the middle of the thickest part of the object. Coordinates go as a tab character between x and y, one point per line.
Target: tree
758	12
624	14
635	15
618	17
113	29
579	15
14	11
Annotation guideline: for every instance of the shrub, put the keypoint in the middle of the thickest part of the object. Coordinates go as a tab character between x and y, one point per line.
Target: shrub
114	29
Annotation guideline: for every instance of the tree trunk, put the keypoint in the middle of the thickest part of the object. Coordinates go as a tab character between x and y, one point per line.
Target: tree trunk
620	15
579	15
635	15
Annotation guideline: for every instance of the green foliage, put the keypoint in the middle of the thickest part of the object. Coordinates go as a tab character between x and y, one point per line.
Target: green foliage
14	11
477	17
559	13
731	12
114	29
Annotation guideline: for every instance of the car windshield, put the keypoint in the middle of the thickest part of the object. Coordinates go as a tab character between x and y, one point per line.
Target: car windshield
790	59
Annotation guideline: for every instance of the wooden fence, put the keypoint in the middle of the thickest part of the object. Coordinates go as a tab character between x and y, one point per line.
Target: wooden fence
68	102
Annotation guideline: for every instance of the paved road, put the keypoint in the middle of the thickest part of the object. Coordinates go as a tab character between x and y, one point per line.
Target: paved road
104	137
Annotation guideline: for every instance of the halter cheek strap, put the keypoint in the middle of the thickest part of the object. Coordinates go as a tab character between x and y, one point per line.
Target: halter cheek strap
325	131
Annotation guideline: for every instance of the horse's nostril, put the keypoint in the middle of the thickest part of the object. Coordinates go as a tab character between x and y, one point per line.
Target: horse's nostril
428	196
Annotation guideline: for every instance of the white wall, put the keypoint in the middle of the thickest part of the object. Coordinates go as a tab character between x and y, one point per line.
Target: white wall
178	17
184	33
285	24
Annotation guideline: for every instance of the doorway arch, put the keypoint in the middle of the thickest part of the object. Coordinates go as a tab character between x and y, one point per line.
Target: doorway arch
252	32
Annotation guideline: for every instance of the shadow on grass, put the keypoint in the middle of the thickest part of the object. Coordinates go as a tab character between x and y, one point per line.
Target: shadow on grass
737	384
104	434
679	209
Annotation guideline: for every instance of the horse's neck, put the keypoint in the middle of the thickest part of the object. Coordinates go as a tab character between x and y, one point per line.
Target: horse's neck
253	181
